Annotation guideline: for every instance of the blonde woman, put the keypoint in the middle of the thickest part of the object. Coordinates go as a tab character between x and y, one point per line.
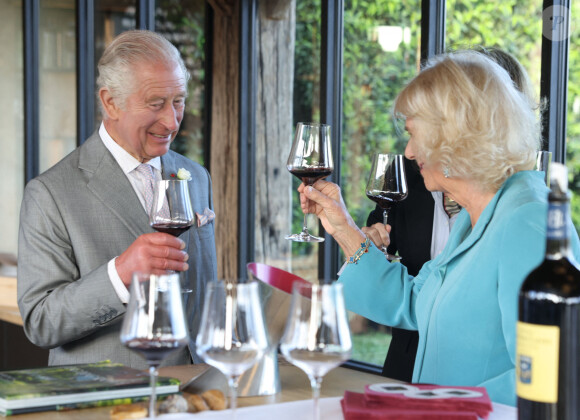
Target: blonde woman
474	137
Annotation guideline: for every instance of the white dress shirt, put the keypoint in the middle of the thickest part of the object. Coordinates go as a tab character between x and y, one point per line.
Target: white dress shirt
128	164
442	225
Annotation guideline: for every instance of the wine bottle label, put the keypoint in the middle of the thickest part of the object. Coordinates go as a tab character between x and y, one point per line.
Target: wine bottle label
557	221
537	362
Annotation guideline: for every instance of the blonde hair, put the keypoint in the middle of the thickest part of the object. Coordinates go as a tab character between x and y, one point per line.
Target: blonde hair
470	118
118	62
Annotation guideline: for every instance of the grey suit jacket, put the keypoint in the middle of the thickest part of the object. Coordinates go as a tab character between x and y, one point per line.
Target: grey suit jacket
75	218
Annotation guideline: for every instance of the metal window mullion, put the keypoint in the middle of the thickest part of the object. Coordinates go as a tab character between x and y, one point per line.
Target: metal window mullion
432	28
85	31
146	14
247	130
332	13
554	82
30	15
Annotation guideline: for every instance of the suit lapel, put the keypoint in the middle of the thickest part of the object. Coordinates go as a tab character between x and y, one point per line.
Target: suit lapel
110	185
168	165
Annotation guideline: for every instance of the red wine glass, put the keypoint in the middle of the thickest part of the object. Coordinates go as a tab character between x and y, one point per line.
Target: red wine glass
154	324
172	213
386	186
310	159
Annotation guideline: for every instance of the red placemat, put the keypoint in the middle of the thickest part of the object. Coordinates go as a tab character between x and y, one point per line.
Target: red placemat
416	401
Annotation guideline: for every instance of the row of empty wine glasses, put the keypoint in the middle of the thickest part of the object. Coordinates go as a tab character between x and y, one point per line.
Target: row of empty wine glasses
233	334
316	337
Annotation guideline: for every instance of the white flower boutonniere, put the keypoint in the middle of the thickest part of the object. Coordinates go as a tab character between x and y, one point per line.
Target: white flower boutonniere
183	174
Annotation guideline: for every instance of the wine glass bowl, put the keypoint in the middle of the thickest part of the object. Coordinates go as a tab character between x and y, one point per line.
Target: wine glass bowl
171	212
387	185
310	159
317	336
154	324
232	335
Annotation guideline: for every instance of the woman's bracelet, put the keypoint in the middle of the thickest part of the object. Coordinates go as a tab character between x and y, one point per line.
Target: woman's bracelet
364	248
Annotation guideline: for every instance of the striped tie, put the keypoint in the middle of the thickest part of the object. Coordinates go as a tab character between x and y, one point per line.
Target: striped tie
148	176
451	206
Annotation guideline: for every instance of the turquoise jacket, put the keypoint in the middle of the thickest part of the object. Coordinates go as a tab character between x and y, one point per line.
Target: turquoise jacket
464	303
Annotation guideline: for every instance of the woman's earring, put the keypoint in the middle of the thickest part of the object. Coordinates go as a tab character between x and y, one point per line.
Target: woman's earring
446	172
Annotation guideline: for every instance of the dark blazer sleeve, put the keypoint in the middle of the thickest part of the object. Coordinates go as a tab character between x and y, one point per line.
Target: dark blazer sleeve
411	221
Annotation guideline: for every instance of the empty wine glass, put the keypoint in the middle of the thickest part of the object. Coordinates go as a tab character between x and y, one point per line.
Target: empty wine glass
387	185
154	324
317	336
172	213
310	159
232	335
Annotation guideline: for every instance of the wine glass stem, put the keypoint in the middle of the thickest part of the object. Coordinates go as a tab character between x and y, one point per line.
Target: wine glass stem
152	383
385	219
184	279
233	386
315	383
304	227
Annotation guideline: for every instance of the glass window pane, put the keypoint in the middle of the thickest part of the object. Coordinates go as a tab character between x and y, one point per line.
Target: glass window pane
306	108
111	18
12	123
57	81
183	23
288	91
472	23
381	53
573	122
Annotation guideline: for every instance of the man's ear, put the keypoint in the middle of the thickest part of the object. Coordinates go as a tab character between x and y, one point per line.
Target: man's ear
110	106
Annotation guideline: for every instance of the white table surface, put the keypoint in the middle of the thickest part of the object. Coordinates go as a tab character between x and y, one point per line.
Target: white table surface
298	410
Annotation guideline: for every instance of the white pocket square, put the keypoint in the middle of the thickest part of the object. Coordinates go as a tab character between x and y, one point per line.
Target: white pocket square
206	217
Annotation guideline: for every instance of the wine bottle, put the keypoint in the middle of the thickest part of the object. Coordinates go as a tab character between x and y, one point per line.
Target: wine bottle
548	329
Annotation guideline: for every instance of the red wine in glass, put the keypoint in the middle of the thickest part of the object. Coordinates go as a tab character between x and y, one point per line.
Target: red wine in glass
153	351
310	159
174	229
154	325
310	175
385	199
386	186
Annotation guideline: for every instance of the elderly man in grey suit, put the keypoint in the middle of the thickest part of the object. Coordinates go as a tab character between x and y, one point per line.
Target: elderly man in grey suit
83	225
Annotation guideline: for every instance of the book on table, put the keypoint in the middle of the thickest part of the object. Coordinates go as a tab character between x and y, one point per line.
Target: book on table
77	386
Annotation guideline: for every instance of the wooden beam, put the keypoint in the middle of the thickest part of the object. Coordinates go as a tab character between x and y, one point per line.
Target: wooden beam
223	7
225	136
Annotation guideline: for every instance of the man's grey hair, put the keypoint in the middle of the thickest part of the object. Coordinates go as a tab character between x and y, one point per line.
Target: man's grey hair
117	65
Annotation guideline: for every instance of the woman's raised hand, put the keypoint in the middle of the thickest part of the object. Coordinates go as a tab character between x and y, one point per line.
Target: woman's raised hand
325	200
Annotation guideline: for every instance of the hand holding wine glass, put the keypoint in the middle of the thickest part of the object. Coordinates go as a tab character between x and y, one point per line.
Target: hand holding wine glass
154	324
317	336
232	335
387	185
310	159
172	213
